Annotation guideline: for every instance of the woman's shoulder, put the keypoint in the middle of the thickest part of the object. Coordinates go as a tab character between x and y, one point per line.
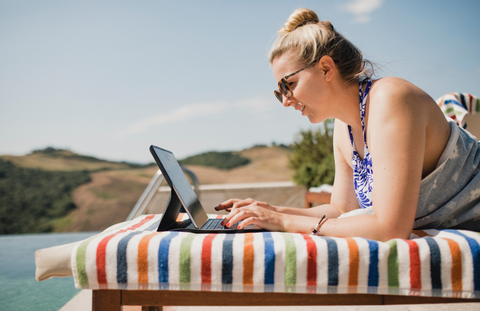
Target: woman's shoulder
392	94
389	86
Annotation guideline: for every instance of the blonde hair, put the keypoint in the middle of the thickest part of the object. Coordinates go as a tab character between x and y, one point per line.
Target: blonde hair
311	39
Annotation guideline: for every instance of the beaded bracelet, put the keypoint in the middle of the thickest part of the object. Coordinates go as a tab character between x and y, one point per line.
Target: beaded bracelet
319	225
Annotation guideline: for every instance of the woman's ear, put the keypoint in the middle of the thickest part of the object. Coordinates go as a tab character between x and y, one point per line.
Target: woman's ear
327	66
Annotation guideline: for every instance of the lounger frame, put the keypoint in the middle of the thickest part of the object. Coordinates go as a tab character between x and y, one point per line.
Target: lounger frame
155	300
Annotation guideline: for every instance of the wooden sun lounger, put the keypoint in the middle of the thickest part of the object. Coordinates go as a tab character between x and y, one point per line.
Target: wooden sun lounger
154	300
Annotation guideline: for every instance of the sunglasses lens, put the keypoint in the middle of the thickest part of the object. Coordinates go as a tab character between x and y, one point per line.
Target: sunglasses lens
279	96
285	88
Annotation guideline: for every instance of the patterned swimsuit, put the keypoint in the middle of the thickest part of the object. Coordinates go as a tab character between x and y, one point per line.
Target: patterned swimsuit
362	169
449	196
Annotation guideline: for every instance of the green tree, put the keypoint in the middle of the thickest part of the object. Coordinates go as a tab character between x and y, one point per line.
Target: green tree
30	199
312	157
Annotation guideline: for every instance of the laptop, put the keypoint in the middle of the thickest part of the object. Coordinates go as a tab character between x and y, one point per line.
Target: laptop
182	197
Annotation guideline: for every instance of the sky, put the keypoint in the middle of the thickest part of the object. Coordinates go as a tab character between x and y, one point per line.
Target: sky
110	78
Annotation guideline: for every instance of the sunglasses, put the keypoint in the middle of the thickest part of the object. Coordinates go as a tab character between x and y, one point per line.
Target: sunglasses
284	88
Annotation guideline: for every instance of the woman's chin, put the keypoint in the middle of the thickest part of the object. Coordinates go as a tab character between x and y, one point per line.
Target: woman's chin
314	119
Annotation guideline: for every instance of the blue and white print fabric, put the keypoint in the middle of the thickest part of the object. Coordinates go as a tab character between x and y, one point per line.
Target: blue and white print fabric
362	169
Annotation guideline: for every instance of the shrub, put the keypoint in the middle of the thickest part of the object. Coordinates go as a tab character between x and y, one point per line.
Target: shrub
312	157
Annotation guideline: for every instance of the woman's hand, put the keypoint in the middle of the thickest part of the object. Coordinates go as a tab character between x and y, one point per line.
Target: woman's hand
251	212
231	204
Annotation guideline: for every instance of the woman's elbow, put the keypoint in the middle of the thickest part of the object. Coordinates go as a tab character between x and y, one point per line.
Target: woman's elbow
391	232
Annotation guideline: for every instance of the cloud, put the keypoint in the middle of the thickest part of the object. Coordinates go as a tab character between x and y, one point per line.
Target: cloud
362	9
184	113
256	104
178	115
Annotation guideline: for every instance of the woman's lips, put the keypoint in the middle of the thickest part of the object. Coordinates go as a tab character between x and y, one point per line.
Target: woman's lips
300	108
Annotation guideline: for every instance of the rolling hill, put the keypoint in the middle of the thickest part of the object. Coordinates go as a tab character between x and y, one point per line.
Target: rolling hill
51	159
116	186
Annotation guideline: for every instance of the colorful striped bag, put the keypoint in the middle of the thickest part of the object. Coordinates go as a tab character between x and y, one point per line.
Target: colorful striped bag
132	255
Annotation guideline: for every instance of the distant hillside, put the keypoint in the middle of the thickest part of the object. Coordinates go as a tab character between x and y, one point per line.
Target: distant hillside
31	199
115	187
111	195
51	159
36	190
266	164
221	160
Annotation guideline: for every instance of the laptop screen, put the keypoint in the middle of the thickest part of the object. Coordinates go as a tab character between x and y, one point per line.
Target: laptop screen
178	182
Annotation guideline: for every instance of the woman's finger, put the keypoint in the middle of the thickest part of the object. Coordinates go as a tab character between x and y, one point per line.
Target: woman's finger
227	204
233	203
242	203
236	217
246	222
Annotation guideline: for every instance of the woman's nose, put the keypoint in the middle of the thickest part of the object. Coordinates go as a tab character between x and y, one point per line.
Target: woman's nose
288	101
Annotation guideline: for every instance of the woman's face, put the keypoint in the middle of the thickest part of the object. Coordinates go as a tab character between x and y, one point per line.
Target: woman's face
306	85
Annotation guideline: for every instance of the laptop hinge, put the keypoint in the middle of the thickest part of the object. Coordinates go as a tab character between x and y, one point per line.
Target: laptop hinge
170	214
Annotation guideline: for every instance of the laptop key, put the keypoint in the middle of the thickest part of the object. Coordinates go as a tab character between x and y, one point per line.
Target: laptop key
213	224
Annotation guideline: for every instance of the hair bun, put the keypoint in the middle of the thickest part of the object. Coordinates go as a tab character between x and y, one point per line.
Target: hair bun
327	25
297	19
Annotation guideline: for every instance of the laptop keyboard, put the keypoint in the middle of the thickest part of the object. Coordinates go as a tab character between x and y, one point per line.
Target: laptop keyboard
213	224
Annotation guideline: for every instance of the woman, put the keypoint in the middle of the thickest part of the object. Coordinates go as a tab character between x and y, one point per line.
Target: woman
399	164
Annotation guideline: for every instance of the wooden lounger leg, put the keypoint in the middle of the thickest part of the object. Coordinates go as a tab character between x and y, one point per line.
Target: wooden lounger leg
106	300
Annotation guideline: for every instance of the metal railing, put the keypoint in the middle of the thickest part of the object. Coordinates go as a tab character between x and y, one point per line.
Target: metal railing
153	187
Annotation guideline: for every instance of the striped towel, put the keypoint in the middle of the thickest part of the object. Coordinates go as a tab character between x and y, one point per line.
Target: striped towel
458	105
132	255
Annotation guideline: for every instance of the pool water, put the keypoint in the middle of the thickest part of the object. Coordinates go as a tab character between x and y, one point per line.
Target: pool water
19	290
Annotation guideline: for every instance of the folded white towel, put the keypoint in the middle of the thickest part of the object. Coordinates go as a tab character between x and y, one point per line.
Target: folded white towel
358	211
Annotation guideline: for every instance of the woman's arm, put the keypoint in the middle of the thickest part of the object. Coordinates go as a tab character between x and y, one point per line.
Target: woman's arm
397	126
343	197
342	200
317	211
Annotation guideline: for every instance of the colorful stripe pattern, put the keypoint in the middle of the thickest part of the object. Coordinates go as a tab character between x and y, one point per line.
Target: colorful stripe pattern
459	105
132	255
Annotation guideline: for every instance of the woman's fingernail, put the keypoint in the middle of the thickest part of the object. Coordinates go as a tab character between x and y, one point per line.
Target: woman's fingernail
238	227
222	223
216	207
228	224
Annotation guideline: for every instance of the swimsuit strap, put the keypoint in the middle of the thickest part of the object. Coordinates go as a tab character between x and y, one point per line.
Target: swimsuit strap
362	103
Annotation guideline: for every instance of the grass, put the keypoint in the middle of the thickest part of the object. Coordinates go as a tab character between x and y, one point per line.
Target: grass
62	224
105	195
49	163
